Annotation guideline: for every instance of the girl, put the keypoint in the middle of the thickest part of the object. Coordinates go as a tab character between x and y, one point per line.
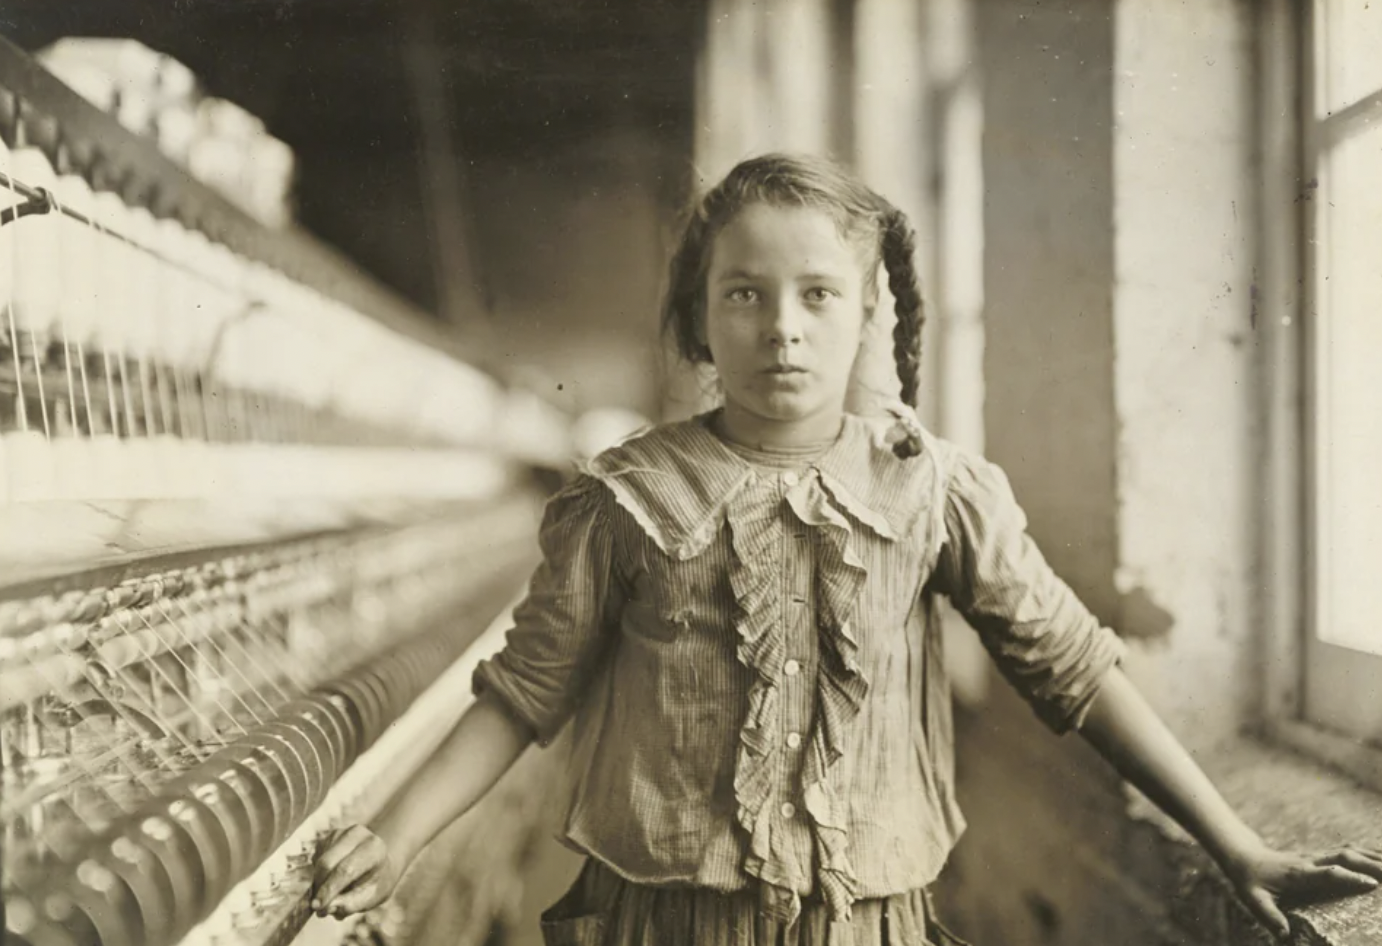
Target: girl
738	613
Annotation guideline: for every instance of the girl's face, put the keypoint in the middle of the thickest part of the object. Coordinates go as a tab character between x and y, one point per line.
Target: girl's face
785	307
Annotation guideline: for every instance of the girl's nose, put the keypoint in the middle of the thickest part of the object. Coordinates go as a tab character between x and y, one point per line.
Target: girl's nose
785	324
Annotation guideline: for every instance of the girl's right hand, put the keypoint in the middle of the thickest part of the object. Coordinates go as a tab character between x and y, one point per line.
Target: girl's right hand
354	872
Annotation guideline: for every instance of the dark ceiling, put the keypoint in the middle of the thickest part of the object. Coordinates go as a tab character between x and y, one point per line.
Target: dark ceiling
332	78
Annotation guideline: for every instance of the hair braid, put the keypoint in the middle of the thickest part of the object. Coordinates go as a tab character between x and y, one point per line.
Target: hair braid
898	247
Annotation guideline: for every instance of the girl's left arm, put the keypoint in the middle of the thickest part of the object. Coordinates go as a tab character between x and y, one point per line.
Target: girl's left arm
1127	732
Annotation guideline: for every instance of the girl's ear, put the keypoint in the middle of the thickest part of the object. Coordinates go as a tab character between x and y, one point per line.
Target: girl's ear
699	333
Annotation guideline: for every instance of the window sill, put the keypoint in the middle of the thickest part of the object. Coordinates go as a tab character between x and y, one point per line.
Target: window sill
1295	803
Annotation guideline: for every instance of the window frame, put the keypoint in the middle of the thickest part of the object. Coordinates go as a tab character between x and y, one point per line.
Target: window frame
1301	706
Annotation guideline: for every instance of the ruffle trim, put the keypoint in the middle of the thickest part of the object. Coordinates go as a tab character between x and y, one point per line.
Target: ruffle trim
753	577
841	690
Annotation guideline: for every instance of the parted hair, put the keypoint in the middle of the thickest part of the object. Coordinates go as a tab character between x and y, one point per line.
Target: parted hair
863	217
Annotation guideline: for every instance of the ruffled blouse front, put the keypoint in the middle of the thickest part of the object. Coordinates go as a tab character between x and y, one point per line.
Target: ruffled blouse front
753	657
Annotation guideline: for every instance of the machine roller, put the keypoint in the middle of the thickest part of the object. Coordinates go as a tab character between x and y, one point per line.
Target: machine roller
256	516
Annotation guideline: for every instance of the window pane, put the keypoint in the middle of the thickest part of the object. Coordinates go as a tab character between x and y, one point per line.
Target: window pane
1349	390
1350	48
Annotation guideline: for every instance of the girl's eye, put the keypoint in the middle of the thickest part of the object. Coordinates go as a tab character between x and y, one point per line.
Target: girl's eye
742	296
819	294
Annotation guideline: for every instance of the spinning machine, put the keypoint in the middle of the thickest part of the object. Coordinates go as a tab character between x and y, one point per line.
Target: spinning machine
258	520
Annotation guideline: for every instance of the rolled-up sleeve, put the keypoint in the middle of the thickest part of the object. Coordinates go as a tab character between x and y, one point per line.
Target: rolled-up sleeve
559	632
1044	640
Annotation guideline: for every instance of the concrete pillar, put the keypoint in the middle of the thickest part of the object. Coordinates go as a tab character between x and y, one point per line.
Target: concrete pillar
1185	353
769	79
1049	275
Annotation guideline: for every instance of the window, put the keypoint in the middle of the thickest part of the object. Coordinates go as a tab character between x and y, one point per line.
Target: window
1341	348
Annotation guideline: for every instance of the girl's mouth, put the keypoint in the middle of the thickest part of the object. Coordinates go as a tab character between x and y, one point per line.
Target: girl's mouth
785	369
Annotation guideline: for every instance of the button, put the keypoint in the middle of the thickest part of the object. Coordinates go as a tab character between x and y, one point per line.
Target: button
791	668
794	740
788	810
790	478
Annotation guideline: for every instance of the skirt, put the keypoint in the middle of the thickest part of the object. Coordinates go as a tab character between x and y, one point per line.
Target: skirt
604	909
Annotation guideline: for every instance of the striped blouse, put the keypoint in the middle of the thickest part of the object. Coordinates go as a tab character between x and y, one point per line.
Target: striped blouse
753	659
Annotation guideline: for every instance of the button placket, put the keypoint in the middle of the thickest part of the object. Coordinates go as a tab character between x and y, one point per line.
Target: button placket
799	631
797	565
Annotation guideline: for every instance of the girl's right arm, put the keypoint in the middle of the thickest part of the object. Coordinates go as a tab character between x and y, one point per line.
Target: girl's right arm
360	866
527	692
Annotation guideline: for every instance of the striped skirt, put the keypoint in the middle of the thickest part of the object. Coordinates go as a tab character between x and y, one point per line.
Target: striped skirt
604	909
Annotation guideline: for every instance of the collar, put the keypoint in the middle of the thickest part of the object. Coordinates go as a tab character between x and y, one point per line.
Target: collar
678	479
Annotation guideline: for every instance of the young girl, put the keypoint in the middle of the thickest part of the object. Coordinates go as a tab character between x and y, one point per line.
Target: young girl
738	613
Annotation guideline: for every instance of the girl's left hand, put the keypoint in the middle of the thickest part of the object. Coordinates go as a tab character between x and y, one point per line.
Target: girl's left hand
1268	880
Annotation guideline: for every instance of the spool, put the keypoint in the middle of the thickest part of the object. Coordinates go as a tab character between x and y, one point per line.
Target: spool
346	711
76	462
335	721
147	878
33	318
370	698
230	809
222	305
266	780
294	755
84	900
252	794
148	450
323	732
119	472
176	849
25	924
192	332
179	456
212	844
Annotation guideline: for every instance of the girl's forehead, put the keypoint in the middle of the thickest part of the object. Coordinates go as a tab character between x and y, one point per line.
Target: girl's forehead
769	237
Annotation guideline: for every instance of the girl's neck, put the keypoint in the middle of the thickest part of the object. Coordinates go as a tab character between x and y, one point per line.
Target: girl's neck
748	430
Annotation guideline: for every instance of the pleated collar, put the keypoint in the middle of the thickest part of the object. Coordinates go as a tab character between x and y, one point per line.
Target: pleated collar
678	479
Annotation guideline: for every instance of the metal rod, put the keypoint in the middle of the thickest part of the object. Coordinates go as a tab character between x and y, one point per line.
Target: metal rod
39	200
36	200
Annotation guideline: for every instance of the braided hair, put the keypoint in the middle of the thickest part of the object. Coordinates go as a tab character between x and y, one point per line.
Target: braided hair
898	242
862	216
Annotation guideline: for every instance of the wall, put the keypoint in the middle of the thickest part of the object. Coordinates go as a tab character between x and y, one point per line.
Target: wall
1119	367
1048	276
569	243
1186	351
572	243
